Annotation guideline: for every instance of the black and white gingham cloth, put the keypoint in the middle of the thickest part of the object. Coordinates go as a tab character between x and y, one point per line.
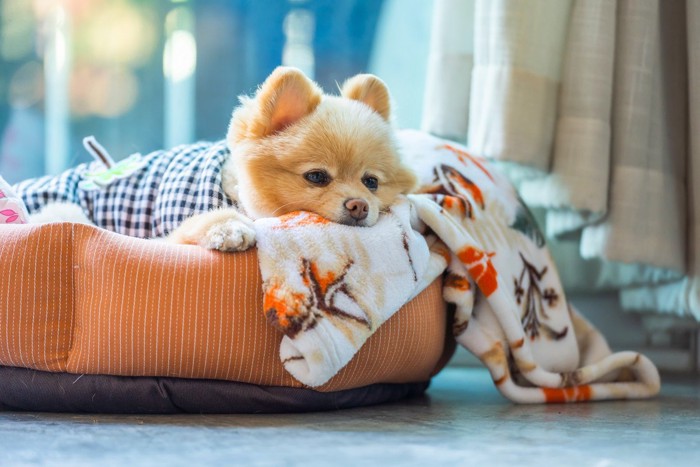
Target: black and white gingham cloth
152	201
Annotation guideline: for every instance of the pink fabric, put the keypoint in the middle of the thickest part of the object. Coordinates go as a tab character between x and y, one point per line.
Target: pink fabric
12	209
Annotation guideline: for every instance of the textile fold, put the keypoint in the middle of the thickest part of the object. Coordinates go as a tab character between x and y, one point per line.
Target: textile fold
328	287
591	106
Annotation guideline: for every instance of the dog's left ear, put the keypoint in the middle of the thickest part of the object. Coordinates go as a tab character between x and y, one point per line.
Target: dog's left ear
285	97
371	91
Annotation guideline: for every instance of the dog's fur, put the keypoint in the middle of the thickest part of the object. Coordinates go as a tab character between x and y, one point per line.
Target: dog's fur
290	129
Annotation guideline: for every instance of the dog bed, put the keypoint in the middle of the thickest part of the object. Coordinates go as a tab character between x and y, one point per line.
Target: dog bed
95	321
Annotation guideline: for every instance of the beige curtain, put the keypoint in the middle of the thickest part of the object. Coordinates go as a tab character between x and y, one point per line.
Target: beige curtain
593	107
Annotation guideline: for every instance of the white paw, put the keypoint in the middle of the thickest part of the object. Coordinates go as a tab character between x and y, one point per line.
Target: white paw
60	212
232	235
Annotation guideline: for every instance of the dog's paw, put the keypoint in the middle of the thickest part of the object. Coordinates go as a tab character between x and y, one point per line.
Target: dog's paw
60	212
232	235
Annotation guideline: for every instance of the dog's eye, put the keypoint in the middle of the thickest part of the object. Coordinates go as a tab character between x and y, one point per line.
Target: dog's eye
372	183
318	177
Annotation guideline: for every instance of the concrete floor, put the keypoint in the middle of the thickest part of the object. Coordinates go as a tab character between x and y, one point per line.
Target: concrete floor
463	421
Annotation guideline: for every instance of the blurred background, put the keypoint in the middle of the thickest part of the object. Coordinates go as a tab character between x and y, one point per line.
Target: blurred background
144	75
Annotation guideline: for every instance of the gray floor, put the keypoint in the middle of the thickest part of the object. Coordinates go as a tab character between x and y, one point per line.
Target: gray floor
463	421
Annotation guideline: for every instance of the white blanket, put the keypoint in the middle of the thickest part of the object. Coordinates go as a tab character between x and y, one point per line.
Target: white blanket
328	287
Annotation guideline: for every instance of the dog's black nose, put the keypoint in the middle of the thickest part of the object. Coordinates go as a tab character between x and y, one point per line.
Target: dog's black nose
358	208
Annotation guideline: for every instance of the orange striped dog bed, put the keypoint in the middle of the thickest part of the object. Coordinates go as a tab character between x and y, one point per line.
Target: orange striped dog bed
77	299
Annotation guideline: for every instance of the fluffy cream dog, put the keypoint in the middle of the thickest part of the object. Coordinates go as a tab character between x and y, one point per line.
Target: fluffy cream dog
294	148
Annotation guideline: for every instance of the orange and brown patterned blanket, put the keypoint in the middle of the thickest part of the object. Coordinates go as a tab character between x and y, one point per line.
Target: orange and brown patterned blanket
328	287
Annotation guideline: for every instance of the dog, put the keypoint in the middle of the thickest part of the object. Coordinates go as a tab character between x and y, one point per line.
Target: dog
294	148
290	147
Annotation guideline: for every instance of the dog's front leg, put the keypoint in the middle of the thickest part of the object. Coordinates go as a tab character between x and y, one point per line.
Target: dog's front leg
223	230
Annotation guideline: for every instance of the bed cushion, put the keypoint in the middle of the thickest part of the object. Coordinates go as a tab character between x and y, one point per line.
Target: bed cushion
41	391
80	300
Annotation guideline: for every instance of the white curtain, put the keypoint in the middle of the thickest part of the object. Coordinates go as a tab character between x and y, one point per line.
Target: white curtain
593	107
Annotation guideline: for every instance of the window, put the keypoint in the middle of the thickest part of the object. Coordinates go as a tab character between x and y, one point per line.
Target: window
143	75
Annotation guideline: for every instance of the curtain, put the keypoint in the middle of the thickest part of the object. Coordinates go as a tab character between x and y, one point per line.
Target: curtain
593	108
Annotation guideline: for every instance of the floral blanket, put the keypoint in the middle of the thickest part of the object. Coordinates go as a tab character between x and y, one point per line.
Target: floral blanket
328	287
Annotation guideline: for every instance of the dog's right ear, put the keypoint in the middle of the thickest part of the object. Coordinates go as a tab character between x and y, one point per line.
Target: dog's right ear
371	91
285	97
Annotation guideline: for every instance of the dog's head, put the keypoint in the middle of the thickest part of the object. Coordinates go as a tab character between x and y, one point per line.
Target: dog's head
294	148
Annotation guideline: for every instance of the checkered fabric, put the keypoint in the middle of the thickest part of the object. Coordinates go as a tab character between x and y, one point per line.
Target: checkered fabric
150	202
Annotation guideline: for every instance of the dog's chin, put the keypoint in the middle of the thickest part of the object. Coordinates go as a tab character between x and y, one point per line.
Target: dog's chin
347	220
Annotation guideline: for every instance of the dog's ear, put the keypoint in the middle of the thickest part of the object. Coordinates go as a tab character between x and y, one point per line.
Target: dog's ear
285	97
369	90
